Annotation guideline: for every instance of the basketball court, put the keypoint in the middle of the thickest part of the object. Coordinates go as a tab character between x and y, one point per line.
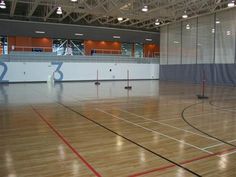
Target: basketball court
74	133
106	114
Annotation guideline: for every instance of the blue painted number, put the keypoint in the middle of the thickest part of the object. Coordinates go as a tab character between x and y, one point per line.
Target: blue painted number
3	72
59	65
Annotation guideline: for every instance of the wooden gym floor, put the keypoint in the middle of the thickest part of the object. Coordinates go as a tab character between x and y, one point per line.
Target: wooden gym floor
79	129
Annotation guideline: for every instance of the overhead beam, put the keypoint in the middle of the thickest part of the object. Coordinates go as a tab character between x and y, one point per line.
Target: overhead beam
147	14
33	8
115	8
79	18
13	7
64	16
50	13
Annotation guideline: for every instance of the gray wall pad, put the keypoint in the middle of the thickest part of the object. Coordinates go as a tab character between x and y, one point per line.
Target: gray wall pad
216	74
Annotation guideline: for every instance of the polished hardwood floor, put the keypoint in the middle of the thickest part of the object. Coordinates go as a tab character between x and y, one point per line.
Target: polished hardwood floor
79	129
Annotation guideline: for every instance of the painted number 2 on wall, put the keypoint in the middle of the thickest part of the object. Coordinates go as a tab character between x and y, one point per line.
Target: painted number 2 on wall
3	71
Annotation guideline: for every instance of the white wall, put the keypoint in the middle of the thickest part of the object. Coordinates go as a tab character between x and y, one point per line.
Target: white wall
39	71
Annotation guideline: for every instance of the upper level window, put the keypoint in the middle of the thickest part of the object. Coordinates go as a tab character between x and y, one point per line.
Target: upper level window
138	50
127	49
3	45
68	47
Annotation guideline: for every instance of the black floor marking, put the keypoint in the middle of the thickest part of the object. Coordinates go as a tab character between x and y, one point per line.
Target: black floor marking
159	155
216	138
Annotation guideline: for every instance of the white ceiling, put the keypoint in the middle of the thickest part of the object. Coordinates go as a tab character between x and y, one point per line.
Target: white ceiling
105	12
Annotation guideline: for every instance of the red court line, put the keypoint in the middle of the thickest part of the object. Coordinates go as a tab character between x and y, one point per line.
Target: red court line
67	143
183	163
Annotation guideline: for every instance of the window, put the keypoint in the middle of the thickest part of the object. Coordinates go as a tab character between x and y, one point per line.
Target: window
127	49
68	47
138	50
3	45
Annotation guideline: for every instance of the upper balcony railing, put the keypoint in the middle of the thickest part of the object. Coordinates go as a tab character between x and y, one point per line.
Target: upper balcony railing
105	52
20	53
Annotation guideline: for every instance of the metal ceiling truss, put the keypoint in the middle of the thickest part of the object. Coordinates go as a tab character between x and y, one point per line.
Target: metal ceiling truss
106	12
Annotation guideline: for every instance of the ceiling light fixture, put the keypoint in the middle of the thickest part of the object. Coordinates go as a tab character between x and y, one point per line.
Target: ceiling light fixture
40	32
217	21
148	39
231	4
79	34
157	22
188	26
120	18
185	15
73	0
145	8
2	5
116	37
59	11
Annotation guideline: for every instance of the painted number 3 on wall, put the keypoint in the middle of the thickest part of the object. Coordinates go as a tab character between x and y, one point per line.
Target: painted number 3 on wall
58	71
3	71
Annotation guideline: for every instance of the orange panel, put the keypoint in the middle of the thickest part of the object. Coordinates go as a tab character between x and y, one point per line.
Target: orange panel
90	45
11	42
133	49
42	43
23	44
27	43
150	50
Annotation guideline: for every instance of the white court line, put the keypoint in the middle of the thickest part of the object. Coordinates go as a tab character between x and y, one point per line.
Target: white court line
167	125
154	131
228	154
140	105
170	119
208	147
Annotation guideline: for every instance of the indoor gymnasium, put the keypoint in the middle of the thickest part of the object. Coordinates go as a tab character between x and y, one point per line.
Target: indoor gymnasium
117	88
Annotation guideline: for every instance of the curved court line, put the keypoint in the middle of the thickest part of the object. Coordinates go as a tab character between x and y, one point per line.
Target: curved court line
141	146
66	142
185	120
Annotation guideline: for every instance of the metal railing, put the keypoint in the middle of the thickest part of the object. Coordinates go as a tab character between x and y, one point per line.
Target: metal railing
49	56
106	52
30	49
73	51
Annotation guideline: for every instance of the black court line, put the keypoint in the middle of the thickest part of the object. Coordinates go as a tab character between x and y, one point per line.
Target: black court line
191	125
143	147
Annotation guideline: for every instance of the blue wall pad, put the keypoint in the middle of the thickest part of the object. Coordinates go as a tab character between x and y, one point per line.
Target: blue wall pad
216	74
